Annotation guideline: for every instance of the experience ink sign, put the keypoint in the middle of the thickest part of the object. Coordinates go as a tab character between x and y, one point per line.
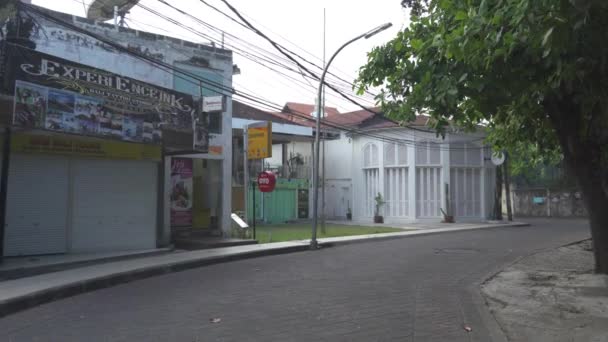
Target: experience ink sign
56	94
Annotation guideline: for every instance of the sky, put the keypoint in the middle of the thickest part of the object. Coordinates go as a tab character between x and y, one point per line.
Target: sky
297	25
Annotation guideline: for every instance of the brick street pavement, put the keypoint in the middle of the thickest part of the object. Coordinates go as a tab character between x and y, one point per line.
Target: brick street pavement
413	289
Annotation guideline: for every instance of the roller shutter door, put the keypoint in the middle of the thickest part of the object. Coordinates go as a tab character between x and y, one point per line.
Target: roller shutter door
37	205
114	205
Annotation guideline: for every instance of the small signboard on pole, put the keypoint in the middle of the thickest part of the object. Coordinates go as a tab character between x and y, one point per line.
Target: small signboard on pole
259	140
213	104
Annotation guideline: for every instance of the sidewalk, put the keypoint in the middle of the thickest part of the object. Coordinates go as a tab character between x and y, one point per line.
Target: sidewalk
551	296
22	293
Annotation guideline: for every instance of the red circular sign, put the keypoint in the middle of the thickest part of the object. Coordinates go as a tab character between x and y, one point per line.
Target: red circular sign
267	181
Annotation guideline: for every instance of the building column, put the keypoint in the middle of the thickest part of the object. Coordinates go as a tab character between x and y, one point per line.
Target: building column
381	186
165	238
482	185
446	176
411	181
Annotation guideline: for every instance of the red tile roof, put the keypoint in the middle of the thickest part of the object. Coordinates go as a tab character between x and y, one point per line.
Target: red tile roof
359	119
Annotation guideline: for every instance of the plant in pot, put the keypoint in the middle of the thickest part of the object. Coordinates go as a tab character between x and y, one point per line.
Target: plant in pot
349	214
379	203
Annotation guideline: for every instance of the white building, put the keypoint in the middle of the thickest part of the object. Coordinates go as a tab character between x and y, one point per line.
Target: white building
417	173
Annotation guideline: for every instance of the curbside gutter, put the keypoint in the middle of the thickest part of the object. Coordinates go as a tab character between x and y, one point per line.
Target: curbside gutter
25	293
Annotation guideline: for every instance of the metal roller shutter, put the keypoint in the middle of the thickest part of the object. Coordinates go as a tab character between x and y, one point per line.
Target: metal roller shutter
114	205
37	205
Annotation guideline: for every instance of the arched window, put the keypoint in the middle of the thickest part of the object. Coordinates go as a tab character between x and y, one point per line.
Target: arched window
370	155
395	154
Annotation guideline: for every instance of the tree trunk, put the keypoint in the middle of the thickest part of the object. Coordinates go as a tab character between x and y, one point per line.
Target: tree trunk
584	144
498	195
596	202
508	187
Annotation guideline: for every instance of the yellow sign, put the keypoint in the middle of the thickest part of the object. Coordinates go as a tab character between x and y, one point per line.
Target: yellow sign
259	140
83	147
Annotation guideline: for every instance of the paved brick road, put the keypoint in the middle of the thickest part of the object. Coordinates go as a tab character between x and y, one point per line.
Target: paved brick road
413	289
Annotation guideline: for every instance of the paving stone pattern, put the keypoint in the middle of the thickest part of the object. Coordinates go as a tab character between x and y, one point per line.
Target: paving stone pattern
414	289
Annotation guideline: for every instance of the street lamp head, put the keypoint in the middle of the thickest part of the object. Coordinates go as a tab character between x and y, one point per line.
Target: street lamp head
377	30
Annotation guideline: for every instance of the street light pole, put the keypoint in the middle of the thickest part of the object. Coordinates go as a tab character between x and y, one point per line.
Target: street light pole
320	110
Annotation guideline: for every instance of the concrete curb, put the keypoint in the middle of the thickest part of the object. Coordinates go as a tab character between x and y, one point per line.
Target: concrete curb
18	273
48	287
497	332
348	240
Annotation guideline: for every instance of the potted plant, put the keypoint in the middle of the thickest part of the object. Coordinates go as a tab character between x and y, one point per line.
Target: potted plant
349	214
379	203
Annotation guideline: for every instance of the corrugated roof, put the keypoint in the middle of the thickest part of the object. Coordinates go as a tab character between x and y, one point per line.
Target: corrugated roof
245	111
304	108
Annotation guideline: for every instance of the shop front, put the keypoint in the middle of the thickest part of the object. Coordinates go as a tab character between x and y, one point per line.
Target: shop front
196	195
86	166
71	194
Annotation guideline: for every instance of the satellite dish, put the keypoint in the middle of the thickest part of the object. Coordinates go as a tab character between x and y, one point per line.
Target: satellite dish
103	10
498	158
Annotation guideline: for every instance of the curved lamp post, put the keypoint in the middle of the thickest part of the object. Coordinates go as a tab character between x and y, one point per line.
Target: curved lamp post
320	111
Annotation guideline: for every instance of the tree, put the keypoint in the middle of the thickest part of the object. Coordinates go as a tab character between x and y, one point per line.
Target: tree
534	71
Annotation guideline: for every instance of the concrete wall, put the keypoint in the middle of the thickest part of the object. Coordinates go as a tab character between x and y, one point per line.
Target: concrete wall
338	158
56	40
565	202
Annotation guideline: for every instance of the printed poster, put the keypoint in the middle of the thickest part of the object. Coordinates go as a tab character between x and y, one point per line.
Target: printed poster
59	95
181	192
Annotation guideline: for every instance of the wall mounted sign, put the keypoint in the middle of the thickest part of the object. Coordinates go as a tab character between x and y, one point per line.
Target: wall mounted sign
259	140
83	147
538	200
59	95
213	104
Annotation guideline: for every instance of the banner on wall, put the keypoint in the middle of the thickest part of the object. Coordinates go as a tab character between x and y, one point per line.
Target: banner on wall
56	94
181	192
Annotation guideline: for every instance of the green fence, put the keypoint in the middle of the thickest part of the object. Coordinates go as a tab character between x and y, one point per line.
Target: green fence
278	206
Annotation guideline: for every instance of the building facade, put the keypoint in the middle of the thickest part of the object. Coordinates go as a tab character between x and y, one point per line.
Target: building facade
74	189
416	173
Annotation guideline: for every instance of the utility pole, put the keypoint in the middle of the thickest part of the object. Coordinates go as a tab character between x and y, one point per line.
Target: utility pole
315	177
507	176
246	173
6	153
322	113
498	194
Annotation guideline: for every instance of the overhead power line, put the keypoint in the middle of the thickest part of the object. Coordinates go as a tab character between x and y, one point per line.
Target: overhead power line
280	49
181	73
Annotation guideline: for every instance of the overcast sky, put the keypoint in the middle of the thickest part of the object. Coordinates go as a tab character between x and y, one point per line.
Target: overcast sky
296	24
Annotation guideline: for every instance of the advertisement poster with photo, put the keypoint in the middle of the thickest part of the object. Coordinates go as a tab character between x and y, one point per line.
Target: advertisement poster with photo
56	94
181	192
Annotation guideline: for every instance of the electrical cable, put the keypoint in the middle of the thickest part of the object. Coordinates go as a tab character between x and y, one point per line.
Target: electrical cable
164	67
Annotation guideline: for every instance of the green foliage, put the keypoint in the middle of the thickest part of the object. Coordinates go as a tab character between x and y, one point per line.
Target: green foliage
379	203
499	63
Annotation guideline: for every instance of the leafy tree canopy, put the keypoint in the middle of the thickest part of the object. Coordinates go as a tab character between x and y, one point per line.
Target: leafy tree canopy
496	62
534	71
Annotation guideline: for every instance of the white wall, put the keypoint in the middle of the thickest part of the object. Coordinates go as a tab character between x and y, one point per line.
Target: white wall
277	156
338	158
